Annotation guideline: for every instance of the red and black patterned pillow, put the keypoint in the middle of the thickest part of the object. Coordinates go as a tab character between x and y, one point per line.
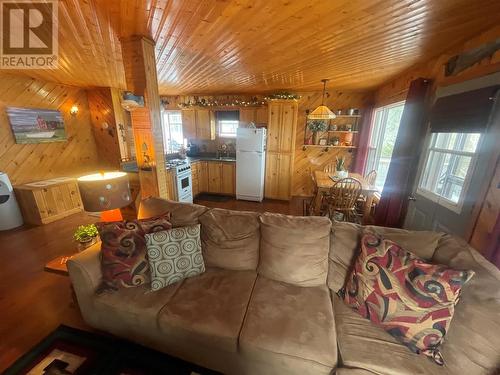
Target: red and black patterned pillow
123	251
411	299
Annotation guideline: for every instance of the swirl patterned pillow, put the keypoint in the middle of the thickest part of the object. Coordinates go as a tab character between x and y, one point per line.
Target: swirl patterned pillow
174	255
411	299
123	251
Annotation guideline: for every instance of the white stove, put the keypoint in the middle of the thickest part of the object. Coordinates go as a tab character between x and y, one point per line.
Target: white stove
183	181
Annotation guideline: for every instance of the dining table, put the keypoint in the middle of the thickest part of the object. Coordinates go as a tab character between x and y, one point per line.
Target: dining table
324	181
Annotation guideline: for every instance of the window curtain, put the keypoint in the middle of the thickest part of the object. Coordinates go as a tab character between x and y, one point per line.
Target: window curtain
467	112
364	139
393	204
493	251
227	115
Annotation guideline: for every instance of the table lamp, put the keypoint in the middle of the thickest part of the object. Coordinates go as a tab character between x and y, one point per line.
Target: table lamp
105	192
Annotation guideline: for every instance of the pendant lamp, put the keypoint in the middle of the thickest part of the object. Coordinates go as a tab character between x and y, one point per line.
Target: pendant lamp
322	112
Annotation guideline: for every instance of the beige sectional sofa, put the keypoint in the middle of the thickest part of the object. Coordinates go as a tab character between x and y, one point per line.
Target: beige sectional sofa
267	303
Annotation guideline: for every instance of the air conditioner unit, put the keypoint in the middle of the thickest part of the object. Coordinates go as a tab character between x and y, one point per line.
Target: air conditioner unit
131	102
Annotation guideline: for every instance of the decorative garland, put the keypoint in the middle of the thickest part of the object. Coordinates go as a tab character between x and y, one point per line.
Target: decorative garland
222	103
283	95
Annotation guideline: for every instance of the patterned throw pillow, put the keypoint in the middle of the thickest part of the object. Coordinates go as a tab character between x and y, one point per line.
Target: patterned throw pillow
123	251
174	255
411	299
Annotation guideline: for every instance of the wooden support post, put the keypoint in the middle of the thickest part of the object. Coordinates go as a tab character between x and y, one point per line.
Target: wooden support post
140	73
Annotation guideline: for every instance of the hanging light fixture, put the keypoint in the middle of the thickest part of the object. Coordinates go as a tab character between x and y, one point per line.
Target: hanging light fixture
322	112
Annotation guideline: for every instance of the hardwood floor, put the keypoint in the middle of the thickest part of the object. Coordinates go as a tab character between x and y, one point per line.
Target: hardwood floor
33	302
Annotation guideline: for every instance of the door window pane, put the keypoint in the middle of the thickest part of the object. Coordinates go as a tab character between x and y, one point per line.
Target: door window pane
448	164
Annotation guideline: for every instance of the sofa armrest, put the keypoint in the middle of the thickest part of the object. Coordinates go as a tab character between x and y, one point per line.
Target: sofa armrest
85	273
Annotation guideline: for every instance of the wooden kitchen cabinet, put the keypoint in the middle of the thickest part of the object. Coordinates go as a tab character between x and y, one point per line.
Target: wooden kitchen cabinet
214	177
247	115
195	182
261	115
171	184
228	178
203	176
205	124
189	123
281	129
46	201
278	177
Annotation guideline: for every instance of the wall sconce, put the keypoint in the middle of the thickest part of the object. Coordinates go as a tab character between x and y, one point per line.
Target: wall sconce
74	110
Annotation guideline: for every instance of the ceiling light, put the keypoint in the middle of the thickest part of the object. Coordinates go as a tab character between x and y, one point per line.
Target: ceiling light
322	112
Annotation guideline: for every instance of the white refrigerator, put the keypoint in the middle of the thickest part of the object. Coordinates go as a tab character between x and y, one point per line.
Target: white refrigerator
250	163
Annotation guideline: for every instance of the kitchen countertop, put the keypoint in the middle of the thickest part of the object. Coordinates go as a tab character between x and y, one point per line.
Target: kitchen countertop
192	159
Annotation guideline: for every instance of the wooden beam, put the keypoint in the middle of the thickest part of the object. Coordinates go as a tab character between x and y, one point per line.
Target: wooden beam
140	71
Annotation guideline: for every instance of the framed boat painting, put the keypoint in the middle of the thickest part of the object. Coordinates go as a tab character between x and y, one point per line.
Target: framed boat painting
31	125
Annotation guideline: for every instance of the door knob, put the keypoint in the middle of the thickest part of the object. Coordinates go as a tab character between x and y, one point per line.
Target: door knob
412	198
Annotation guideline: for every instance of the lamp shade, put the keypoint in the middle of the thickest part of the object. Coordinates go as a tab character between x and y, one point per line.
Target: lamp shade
104	191
321	113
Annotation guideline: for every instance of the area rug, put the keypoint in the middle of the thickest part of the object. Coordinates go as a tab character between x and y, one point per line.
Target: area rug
213	197
72	351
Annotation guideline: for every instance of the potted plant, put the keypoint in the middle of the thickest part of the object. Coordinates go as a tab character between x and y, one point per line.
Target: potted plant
340	167
85	235
317	126
335	141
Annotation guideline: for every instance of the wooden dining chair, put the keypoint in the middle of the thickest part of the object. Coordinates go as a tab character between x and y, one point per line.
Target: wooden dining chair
330	168
342	198
309	208
371	177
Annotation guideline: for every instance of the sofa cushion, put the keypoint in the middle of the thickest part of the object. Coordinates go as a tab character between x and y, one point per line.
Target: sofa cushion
131	311
174	255
410	298
209	308
291	327
123	251
181	214
294	249
365	346
344	244
230	239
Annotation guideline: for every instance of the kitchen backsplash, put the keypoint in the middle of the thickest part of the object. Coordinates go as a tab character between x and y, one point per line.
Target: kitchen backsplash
212	147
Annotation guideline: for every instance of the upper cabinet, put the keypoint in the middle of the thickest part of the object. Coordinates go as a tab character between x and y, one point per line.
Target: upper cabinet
189	123
282	126
198	123
257	115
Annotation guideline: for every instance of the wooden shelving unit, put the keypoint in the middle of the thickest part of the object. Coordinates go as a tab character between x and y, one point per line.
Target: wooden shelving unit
348	139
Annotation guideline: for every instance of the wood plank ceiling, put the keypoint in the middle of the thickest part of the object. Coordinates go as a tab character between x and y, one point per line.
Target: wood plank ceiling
238	46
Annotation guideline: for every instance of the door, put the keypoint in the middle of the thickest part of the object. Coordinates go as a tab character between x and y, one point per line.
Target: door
274	127
287	134
228	178
249	181
214	177
452	171
272	175
250	139
203	176
284	176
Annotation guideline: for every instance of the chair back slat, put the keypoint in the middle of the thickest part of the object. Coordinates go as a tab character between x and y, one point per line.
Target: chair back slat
344	194
371	177
330	168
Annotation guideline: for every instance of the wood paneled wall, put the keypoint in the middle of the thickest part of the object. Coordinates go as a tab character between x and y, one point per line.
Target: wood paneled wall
315	158
30	162
396	90
104	125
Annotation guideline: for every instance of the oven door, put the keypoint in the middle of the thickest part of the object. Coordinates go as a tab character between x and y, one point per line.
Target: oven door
184	187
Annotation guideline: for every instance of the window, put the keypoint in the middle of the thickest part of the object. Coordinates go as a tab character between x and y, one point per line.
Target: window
227	128
447	167
382	139
227	122
172	131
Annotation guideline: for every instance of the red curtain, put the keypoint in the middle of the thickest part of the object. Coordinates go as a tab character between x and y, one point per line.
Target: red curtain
493	251
364	138
392	208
